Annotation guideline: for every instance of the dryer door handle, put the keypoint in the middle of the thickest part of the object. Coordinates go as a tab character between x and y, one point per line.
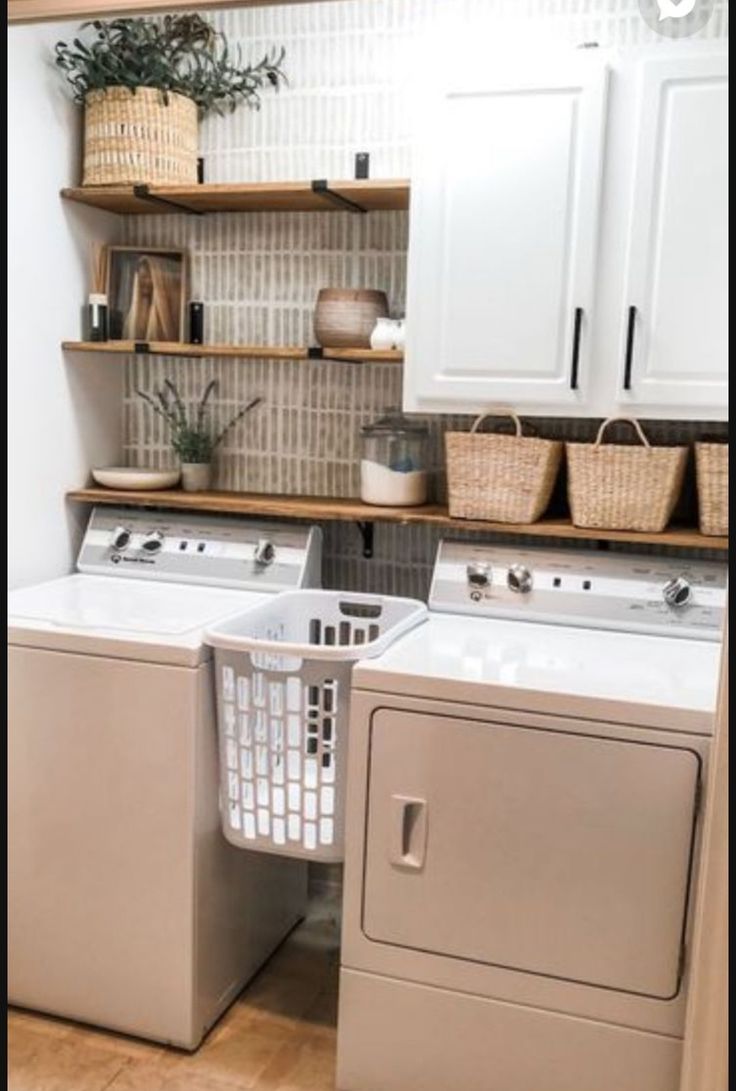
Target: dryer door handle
408	832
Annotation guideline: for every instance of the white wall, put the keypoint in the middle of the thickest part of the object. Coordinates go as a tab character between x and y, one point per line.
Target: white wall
64	415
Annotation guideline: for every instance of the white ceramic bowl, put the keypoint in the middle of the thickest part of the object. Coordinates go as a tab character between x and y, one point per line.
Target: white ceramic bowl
135	477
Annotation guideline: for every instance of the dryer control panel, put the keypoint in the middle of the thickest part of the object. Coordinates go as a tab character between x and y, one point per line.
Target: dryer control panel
649	594
228	551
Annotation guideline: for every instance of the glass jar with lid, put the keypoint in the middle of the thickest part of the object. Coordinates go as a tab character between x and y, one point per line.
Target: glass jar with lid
394	461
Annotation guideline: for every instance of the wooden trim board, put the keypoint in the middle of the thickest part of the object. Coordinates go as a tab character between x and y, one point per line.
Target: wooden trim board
329	509
31	11
705	1051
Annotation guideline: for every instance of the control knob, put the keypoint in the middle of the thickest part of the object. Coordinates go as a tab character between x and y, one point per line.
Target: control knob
153	542
519	579
120	539
479	575
265	552
677	592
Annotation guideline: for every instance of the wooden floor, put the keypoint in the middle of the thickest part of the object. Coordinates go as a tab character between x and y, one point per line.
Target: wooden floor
278	1036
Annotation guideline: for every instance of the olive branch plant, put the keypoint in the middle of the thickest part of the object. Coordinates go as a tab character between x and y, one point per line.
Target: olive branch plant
192	439
182	54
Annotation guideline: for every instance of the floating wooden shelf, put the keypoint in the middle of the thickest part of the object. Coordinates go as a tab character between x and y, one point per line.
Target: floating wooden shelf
327	509
242	352
370	195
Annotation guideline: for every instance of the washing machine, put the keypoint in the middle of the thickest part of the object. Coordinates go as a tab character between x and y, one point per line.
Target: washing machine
127	907
525	787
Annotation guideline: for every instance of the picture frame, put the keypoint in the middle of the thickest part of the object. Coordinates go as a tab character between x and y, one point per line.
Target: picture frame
146	293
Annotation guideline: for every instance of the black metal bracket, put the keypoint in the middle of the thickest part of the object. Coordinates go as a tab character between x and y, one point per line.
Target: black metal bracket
315	352
200	169
143	192
322	187
141	348
366	533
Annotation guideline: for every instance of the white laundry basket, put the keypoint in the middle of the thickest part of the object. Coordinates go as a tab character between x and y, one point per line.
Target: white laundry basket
283	696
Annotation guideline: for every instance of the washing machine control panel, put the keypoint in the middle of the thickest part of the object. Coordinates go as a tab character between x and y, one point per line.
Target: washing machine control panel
251	554
651	594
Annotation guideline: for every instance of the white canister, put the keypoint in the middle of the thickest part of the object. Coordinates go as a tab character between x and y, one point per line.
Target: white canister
383	335
393	467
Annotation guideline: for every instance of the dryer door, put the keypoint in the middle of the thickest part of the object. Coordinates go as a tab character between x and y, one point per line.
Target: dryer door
542	851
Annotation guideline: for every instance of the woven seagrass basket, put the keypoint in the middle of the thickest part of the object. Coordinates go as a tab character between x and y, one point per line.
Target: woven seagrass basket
711	474
505	479
621	487
138	137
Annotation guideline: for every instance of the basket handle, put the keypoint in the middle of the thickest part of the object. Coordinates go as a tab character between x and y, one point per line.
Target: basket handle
629	420
497	413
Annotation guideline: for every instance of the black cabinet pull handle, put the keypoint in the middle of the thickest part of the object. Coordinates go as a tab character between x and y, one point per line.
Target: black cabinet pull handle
576	348
629	348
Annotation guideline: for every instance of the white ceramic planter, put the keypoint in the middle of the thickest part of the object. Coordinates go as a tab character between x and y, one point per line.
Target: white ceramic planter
196	476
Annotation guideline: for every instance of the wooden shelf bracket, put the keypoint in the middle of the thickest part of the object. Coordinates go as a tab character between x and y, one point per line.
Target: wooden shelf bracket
143	192
322	187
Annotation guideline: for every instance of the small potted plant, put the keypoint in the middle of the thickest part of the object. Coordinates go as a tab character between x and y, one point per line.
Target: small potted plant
143	84
191	437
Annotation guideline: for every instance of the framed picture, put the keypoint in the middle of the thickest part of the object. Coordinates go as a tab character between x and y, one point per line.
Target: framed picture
146	293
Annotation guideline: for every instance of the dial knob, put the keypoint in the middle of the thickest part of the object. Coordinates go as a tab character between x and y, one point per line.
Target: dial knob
479	575
153	542
519	579
265	552
677	592
120	539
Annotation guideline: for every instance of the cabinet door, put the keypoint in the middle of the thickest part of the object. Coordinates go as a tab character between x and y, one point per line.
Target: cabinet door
502	243
673	329
541	851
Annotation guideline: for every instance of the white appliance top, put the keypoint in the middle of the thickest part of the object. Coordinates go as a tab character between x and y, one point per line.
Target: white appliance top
568	633
154	604
560	670
107	616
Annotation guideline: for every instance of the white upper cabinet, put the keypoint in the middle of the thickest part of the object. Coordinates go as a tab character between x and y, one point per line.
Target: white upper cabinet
567	246
503	235
673	322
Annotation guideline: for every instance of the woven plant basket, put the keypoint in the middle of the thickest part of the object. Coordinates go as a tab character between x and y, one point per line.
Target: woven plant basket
130	138
711	473
616	487
504	479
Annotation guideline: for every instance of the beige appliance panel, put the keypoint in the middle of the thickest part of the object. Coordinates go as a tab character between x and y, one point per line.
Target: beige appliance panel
464	855
127	908
403	1036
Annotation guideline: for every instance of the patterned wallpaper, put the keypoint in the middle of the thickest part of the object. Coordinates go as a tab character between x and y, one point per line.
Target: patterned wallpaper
350	66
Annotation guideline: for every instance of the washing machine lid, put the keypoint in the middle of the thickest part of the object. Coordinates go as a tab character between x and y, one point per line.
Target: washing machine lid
102	615
597	674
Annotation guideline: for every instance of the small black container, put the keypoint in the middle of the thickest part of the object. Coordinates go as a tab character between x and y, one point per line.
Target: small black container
196	323
97	318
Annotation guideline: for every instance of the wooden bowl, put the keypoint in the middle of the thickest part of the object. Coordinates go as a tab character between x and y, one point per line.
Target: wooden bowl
345	317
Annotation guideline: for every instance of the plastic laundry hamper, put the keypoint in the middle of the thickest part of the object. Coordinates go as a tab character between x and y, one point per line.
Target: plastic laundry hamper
283	696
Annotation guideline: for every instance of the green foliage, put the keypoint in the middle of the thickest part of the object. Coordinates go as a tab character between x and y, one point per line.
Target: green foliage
191	438
179	53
